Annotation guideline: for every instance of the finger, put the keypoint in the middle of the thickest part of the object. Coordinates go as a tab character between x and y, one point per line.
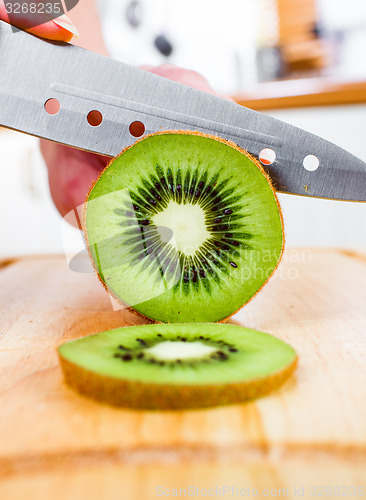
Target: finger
61	29
71	174
40	24
185	76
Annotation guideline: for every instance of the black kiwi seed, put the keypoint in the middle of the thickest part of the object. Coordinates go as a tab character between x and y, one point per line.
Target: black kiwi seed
141	341
127	357
219	355
140	355
232	264
145	222
232	349
228	211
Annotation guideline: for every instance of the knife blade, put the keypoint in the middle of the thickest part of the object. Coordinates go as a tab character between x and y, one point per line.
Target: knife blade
34	71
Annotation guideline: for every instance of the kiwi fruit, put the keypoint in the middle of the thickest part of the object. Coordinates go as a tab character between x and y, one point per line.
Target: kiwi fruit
180	366
183	227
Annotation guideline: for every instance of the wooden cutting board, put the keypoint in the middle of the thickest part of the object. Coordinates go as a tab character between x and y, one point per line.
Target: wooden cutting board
309	435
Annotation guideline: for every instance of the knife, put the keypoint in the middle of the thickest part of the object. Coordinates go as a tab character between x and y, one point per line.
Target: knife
34	70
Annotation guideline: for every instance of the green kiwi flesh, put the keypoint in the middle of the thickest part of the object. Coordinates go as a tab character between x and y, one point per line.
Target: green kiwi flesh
183	227
180	366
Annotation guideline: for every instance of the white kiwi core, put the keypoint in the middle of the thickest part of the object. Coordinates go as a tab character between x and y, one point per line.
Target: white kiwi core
187	223
171	350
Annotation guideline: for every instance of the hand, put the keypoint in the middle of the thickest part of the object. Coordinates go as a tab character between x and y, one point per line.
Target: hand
40	24
72	172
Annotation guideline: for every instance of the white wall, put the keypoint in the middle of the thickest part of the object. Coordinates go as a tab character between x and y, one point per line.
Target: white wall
30	224
215	38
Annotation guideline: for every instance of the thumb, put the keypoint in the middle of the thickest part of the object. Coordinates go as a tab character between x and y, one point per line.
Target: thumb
38	23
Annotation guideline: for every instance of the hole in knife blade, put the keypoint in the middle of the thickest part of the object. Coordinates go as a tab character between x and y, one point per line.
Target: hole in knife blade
52	106
311	163
137	129
267	156
95	118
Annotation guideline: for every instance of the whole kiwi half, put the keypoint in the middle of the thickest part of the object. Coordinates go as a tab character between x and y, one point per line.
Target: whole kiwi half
183	227
176	366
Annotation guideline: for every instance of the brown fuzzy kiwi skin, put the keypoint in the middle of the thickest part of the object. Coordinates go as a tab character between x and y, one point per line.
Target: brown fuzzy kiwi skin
200	134
145	396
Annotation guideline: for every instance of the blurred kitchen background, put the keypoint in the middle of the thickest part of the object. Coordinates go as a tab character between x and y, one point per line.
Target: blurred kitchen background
303	61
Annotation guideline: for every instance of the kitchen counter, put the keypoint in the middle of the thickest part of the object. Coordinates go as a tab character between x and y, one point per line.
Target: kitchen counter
311	433
305	92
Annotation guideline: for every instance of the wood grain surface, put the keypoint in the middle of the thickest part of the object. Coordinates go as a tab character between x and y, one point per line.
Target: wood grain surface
309	434
304	92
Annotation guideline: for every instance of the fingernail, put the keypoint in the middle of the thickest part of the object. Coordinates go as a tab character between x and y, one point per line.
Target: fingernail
66	23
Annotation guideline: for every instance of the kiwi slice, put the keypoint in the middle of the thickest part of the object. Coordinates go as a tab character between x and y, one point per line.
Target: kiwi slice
183	227
176	366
